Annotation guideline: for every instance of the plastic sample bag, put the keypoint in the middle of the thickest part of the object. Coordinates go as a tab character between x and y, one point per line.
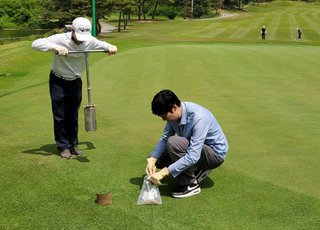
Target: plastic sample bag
149	194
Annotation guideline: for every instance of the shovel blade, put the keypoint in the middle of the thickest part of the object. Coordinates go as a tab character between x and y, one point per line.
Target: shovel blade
90	118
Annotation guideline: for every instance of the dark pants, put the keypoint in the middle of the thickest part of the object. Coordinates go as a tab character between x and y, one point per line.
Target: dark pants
66	98
263	36
177	147
299	36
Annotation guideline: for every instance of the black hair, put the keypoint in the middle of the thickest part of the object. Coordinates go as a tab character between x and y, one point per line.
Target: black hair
163	102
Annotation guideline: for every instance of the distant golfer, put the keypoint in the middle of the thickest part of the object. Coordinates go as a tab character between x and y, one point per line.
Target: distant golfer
263	32
299	33
65	80
199	147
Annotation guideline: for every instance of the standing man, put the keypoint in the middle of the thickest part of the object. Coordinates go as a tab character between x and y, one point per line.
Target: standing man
299	33
65	80
199	146
263	32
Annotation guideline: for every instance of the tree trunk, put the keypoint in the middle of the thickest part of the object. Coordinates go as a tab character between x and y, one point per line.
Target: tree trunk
217	7
154	10
124	21
185	10
98	26
143	9
98	30
139	10
119	23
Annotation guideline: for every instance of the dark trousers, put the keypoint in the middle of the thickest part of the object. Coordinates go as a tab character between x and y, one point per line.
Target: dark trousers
299	36
177	147
263	36
66	98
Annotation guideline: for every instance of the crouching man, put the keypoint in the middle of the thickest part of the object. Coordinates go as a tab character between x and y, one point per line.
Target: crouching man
199	146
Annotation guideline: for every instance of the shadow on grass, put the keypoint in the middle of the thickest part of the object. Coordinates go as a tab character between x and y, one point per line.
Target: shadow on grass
137	181
169	184
51	149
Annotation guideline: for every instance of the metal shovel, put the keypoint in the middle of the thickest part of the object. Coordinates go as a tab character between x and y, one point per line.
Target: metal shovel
89	110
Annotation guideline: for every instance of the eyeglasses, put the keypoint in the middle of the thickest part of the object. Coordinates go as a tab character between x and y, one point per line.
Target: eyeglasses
164	116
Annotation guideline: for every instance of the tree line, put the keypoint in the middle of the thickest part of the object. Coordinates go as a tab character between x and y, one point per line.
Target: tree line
48	14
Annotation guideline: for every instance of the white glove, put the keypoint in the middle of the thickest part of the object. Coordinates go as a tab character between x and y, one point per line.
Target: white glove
112	49
61	51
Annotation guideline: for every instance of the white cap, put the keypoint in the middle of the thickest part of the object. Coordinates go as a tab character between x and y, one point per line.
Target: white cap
297	28
263	26
82	28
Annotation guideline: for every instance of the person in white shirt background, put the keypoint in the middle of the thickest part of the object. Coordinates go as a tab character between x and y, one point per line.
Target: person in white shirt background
65	80
263	32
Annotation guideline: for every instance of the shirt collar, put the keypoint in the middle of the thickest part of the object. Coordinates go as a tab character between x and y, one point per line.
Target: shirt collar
183	120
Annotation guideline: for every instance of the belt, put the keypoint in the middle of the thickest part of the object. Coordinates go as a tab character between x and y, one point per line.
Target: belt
65	78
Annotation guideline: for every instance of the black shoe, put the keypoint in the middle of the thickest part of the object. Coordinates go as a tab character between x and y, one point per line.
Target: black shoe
201	174
65	154
186	190
76	151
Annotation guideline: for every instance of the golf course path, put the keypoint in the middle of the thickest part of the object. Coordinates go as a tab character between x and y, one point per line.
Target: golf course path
222	15
106	28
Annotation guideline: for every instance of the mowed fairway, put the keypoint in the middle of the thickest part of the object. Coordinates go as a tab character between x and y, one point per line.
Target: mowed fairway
265	96
281	19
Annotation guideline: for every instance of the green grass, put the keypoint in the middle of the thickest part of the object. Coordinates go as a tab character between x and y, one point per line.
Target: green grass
281	18
265	97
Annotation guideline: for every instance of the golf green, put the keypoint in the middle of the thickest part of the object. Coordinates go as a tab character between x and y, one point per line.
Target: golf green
265	98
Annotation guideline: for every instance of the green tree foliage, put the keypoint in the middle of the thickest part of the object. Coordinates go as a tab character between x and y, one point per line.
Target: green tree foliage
125	8
169	11
67	10
23	13
201	7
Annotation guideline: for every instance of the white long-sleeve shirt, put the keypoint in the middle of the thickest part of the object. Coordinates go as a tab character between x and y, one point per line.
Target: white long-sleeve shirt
74	64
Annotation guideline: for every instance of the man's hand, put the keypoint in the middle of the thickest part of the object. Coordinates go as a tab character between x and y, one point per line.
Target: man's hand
112	49
61	51
151	166
157	177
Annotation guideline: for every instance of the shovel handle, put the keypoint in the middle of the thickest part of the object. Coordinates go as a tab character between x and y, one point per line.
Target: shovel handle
87	51
90	51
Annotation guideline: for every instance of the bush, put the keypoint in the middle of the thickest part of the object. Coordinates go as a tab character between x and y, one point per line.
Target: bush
167	11
6	22
171	13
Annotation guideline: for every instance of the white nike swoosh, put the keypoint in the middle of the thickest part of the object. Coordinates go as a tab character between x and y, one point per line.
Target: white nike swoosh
190	189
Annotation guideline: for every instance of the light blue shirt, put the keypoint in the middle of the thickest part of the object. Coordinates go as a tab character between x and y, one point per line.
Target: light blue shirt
200	126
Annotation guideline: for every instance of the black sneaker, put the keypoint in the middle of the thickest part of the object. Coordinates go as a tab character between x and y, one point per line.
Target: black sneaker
186	190
76	151
201	174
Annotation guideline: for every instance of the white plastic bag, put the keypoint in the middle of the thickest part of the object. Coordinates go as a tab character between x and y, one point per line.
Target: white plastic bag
149	194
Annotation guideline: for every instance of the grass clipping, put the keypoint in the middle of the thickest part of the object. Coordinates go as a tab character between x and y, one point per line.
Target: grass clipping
149	194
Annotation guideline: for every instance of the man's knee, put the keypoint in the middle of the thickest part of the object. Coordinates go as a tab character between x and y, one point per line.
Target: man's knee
177	144
171	141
